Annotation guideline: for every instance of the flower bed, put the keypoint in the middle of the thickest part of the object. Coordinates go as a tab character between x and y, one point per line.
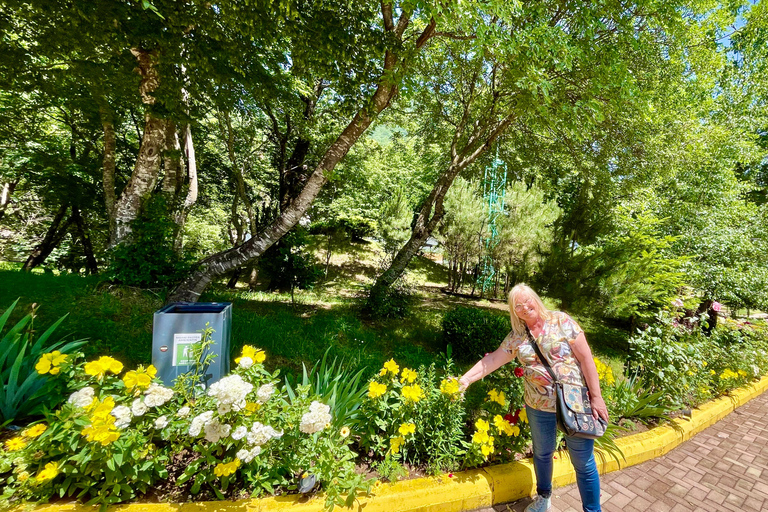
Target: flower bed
123	434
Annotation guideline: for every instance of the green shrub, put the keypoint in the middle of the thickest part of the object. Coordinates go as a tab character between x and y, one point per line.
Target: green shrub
473	332
25	391
689	367
288	264
394	302
147	259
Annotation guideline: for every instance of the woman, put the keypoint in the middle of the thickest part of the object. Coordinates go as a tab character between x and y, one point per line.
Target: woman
562	342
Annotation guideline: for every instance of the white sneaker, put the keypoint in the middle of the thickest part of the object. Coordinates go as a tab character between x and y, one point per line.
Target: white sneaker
539	504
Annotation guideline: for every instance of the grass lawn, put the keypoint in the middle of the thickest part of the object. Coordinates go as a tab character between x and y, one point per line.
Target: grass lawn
117	320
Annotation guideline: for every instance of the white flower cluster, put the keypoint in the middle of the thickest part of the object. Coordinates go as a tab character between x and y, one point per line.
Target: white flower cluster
265	392
230	393
198	422
260	434
82	398
248	455
183	412
139	408
157	395
316	419
122	416
239	433
215	430
245	363
161	422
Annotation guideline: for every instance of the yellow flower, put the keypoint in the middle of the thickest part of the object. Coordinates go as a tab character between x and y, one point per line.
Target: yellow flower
742	373
344	432
482	425
413	393
711	372
395	443
487	449
392	367
382	372
690	372
23	476
227	469
480	437
103	365
704	364
257	355
34	431
15	443
251	407
408	375
375	390
101	409
49	472
449	386
498	397
103	434
407	428
523	415
50	362
135	379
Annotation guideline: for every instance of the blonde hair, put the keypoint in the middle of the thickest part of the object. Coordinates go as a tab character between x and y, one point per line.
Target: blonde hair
518	325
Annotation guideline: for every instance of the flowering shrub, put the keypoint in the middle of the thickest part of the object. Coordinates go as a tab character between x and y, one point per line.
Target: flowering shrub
114	436
414	416
689	367
500	429
98	446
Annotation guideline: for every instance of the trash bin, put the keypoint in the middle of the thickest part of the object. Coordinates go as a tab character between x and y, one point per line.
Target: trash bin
178	326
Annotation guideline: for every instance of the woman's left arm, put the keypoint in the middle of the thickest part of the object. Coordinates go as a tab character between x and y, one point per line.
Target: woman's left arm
583	353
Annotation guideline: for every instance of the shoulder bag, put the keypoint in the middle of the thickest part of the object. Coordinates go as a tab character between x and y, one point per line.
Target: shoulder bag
574	411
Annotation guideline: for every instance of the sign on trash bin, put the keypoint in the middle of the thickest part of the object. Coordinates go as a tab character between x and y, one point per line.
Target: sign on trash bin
176	329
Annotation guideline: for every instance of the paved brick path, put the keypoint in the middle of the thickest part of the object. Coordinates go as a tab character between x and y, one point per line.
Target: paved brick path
723	468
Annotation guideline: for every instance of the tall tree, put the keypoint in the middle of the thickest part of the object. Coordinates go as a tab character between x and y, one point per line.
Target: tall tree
565	67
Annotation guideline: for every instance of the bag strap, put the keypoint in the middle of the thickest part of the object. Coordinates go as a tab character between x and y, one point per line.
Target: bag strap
541	356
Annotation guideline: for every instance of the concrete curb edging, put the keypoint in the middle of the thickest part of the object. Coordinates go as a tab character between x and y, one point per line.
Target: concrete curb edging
473	489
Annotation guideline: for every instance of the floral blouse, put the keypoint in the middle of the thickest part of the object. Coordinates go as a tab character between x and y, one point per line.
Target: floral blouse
555	343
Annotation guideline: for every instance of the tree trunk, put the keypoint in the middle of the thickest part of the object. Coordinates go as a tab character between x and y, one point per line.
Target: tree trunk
53	237
218	264
173	167
5	195
235	278
145	172
91	264
108	171
192	190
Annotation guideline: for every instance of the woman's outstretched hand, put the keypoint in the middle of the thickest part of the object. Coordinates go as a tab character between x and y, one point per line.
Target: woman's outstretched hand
598	408
463	384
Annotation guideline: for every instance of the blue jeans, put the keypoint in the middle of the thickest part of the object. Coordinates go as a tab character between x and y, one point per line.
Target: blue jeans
544	434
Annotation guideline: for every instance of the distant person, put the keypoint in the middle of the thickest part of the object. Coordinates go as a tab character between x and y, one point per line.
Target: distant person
562	342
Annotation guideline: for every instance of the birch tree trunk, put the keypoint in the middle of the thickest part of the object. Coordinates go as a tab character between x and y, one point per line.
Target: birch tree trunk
145	172
5	195
218	264
191	197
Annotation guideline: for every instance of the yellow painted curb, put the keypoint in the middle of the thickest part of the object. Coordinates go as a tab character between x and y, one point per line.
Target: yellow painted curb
469	490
